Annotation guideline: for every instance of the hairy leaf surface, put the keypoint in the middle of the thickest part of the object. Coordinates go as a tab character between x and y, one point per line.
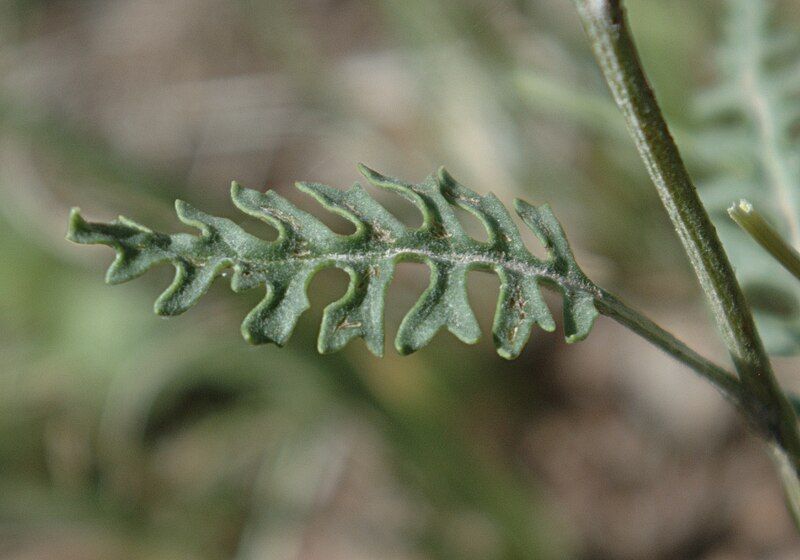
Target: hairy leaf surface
285	267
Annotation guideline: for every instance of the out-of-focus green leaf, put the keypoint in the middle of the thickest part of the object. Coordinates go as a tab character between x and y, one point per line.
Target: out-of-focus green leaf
752	114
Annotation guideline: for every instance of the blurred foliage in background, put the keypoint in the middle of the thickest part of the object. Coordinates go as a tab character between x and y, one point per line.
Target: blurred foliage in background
123	435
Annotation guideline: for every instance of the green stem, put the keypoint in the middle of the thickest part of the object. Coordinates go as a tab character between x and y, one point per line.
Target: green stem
606	27
750	220
724	381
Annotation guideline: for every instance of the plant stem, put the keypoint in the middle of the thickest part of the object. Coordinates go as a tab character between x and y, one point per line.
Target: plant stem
751	221
766	404
724	381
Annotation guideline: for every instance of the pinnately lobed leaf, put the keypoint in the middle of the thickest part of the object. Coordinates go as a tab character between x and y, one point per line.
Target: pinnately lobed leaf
305	245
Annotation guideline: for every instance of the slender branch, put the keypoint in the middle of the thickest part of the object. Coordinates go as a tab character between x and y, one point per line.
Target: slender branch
723	380
612	307
751	220
605	25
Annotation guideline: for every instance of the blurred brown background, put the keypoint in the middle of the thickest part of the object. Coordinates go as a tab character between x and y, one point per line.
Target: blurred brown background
123	435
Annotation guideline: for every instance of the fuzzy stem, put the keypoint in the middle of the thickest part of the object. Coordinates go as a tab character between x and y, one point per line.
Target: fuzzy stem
767	405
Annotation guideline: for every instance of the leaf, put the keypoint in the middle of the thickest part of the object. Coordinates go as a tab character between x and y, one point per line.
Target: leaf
304	245
752	117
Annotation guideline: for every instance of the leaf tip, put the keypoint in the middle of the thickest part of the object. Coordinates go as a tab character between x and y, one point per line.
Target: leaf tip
159	308
169	304
507	354
182	208
405	349
579	321
306	187
548	326
250	336
370	173
115	276
472	336
76	225
255	332
243	198
444	176
378	179
521	206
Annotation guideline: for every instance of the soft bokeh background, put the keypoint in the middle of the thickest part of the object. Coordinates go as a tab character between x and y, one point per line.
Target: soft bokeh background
124	435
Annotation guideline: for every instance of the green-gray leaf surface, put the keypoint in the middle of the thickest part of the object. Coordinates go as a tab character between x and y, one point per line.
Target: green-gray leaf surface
284	267
754	111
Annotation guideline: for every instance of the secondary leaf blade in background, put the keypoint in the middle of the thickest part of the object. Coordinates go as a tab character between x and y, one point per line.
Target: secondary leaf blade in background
752	114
